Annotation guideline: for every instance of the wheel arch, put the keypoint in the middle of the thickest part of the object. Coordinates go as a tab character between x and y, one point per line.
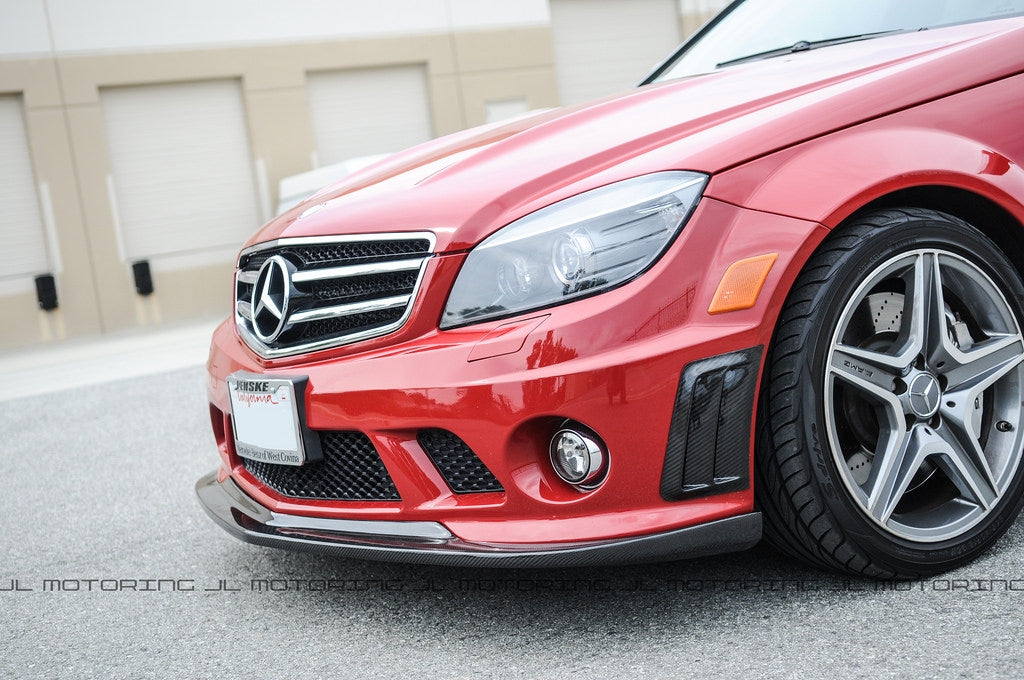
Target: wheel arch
888	164
979	211
791	479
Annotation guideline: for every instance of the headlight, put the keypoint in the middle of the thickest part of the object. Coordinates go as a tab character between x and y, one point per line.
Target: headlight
580	246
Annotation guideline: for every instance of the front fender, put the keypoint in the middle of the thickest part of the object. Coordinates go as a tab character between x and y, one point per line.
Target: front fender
827	179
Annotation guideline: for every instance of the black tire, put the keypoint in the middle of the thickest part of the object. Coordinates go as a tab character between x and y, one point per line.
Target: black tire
823	417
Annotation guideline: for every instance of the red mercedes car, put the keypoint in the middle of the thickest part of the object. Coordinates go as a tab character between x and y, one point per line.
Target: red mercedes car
775	291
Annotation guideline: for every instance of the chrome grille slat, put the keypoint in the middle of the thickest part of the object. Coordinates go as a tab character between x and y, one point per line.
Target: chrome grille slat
350	309
355	270
331	291
248	278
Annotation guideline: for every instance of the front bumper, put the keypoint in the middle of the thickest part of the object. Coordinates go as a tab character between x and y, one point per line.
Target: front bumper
432	543
669	388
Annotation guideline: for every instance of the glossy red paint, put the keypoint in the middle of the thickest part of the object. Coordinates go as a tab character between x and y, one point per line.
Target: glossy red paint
941	143
792	145
610	361
467	186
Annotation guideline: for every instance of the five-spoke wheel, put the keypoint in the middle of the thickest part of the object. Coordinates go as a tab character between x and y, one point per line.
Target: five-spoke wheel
891	423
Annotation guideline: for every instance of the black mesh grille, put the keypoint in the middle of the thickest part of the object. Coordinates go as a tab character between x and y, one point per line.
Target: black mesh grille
327	328
254	261
460	467
350	471
313	256
358	288
358	252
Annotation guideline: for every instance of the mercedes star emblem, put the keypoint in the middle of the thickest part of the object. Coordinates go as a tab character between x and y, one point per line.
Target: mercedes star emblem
270	299
925	394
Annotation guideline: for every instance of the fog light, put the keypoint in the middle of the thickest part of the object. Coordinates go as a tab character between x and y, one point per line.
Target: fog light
578	458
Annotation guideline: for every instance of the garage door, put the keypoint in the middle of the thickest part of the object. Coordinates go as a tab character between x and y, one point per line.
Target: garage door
182	179
361	112
23	255
604	46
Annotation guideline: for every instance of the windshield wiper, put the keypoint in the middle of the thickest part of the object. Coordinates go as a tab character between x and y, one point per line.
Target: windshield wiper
803	46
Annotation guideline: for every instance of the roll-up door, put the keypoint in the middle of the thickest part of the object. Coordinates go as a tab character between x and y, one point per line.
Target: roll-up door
182	178
24	252
603	46
362	112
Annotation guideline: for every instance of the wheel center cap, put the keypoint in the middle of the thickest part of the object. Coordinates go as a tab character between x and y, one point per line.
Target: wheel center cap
925	395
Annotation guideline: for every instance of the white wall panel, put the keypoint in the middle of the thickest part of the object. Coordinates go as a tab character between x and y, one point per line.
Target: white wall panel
102	25
362	112
182	178
24	253
504	109
603	46
690	6
23	28
479	14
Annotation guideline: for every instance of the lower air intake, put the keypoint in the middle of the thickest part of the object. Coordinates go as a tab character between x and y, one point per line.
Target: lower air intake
460	467
350	471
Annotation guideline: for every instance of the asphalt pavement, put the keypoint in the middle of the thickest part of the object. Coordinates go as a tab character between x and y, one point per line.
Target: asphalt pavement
110	568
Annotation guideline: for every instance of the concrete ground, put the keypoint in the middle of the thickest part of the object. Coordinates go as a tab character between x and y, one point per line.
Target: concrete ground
110	569
54	367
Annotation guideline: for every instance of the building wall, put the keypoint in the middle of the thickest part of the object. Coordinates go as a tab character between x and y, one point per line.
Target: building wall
63	59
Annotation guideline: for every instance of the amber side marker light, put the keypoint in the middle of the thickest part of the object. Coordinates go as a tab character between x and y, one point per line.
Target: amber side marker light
742	283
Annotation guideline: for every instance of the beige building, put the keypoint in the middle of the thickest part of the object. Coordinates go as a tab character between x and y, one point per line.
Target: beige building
139	136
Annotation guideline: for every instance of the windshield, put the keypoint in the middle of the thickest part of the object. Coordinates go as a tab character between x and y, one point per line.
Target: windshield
754	29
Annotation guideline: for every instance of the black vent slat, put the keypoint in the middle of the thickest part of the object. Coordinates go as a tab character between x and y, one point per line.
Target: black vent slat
461	468
350	471
708	448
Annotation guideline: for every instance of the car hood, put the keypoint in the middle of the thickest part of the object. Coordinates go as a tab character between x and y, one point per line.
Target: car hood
465	186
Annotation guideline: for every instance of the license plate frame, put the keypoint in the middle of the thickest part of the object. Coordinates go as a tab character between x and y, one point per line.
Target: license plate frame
268	418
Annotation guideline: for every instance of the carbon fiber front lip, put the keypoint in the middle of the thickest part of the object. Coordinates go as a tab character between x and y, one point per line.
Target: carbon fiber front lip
432	543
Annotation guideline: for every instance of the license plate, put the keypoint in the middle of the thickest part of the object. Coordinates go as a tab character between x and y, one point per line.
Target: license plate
265	415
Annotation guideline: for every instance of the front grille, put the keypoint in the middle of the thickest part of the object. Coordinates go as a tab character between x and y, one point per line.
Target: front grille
460	467
325	292
351	470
